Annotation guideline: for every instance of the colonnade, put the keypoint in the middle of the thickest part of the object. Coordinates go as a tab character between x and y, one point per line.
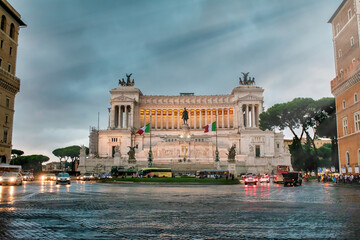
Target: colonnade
122	116
198	118
249	115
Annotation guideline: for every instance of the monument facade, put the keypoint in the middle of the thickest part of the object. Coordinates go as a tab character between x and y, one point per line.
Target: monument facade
177	138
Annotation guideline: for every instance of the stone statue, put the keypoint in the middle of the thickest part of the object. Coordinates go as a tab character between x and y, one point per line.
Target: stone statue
246	80
185	116
131	153
117	148
232	154
128	81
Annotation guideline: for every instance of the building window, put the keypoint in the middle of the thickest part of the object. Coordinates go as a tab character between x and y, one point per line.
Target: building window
352	41
349	14
337	29
5	136
1	43
345	126
12	30
10	51
347	158
3	22
6	118
7	102
339	53
257	152
344	104
0	62
355	97
9	68
357	121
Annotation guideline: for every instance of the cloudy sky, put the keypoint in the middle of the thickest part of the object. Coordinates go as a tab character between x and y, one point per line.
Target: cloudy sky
74	51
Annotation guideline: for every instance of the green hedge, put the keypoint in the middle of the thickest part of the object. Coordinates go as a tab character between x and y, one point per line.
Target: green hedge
174	180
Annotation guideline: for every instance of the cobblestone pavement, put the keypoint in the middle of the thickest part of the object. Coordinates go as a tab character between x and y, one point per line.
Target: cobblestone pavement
139	211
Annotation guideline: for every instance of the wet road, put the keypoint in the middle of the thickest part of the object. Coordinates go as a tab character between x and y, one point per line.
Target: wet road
140	211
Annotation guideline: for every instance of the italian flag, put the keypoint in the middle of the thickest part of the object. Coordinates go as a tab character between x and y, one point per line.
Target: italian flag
146	129
210	127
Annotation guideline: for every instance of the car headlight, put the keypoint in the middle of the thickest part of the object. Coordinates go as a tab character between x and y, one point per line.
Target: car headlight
12	179
43	177
68	178
1	179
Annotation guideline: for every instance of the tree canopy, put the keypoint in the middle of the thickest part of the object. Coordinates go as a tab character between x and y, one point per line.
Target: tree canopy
31	162
313	118
71	153
16	153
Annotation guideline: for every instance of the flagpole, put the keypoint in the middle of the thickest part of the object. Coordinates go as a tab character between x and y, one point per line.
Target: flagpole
150	158
216	152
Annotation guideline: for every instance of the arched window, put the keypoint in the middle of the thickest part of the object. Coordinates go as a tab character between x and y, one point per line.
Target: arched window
12	30
3	22
347	158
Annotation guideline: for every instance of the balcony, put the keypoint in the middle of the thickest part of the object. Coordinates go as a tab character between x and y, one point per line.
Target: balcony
5	74
346	75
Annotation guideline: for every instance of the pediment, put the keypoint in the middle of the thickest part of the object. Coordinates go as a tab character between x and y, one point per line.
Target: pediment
250	97
123	99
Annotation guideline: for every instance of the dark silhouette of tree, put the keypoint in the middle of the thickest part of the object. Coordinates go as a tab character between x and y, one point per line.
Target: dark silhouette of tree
31	162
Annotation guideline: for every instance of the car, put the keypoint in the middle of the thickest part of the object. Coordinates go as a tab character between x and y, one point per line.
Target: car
264	178
292	178
11	178
105	176
250	179
49	177
63	178
80	177
28	176
89	176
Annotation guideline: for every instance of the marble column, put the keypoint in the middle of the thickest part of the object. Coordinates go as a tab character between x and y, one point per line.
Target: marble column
178	118
222	118
246	115
252	115
120	117
228	118
112	117
167	119
156	118
206	117
126	116
172	119
161	120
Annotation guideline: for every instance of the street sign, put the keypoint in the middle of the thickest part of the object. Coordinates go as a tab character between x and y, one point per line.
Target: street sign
350	169
343	170
357	169
332	169
319	170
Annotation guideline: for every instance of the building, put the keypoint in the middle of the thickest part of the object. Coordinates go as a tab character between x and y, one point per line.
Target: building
318	142
9	83
185	147
51	166
346	85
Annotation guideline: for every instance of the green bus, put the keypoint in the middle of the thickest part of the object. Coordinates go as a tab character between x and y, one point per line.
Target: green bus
155	172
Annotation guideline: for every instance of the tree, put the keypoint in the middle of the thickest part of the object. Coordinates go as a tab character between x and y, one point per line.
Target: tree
16	153
31	162
311	117
69	153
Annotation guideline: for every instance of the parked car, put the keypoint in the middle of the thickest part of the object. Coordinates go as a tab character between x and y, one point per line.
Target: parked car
250	179
28	176
265	178
11	178
49	177
63	178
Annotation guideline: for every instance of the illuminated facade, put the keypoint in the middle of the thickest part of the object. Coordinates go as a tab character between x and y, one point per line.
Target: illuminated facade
186	148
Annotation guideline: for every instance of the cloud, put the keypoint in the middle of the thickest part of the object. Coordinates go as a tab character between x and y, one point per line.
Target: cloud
72	53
